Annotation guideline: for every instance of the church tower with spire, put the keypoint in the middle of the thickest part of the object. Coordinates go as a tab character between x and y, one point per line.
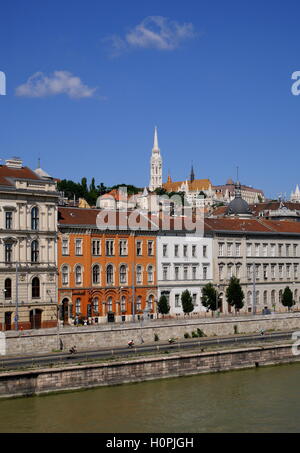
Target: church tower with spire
155	165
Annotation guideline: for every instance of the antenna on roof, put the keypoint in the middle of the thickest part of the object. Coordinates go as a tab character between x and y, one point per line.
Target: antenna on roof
39	162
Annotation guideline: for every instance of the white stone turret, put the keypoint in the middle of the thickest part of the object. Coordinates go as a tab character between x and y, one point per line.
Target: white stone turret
295	196
155	165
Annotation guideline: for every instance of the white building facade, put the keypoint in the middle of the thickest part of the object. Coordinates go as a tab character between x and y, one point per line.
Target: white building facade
28	239
183	263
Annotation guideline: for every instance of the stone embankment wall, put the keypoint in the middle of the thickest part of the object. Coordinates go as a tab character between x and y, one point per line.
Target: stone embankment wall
110	336
47	380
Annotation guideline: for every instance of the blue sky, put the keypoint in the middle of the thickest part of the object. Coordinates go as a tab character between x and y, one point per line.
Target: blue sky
215	77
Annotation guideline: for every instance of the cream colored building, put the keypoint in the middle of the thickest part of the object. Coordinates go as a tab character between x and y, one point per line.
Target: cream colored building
28	257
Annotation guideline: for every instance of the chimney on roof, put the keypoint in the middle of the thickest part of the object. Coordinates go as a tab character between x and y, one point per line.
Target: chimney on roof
14	162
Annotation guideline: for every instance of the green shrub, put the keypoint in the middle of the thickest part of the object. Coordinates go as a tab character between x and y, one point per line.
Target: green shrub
194	335
236	329
187	335
200	333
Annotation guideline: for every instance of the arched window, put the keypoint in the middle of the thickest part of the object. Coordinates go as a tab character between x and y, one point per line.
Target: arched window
96	274
34	251
65	275
78	306
139	274
150	274
123	303
110	274
273	301
35	287
96	304
139	303
249	297
123	274
35	218
78	275
109	304
257	298
7	288
280	296
265	297
150	302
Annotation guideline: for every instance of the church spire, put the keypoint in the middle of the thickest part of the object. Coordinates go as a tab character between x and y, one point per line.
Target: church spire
192	176
155	142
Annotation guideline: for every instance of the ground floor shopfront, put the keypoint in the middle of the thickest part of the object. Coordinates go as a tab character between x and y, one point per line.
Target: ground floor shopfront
27	317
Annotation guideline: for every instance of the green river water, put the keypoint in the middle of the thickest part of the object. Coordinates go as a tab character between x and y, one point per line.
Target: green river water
249	401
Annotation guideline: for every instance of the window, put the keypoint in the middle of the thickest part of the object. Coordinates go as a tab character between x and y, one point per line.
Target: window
273	250
229	271
65	247
279	249
65	275
78	306
194	270
96	247
237	249
110	274
280	270
265	271
139	248
150	274
7	288
109	304
139	274
257	298
8	253
96	274
221	268
249	297
123	247
176	247
265	297
165	272
249	271
35	218
287	249
123	274
204	273
8	220
288	271
123	303
78	247
204	251
238	270
257	267
35	287
295	271
150	248
185	250
257	251
139	303
185	273
78	275
176	273
295	249
265	249
177	303
165	250
273	297
221	249
34	251
150	302
249	250
96	304
194	251
109	247
229	249
194	299
273	270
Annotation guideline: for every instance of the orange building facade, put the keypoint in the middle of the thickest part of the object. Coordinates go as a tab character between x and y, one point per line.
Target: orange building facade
104	275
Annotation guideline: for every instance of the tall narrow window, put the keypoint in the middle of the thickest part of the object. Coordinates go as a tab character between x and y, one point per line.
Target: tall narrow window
35	218
35	287
96	304
7	288
65	275
150	248
123	274
96	274
139	303
8	220
96	247
8	253
109	274
150	274
65	246
78	275
34	251
78	247
78	306
109	246
139	274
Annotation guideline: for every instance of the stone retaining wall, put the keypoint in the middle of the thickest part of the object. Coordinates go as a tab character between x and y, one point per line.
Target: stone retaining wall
47	380
93	337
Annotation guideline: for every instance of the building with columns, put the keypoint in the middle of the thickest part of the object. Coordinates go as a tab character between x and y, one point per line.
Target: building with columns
28	258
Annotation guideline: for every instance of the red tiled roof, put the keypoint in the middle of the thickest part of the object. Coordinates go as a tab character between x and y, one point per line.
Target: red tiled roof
16	173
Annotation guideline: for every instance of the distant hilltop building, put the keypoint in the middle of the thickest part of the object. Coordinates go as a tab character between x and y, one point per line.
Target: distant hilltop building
295	196
199	192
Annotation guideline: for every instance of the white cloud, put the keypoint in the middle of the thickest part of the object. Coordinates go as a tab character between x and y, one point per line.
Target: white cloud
154	32
60	82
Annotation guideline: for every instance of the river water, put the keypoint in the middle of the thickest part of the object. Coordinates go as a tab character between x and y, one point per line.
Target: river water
249	401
